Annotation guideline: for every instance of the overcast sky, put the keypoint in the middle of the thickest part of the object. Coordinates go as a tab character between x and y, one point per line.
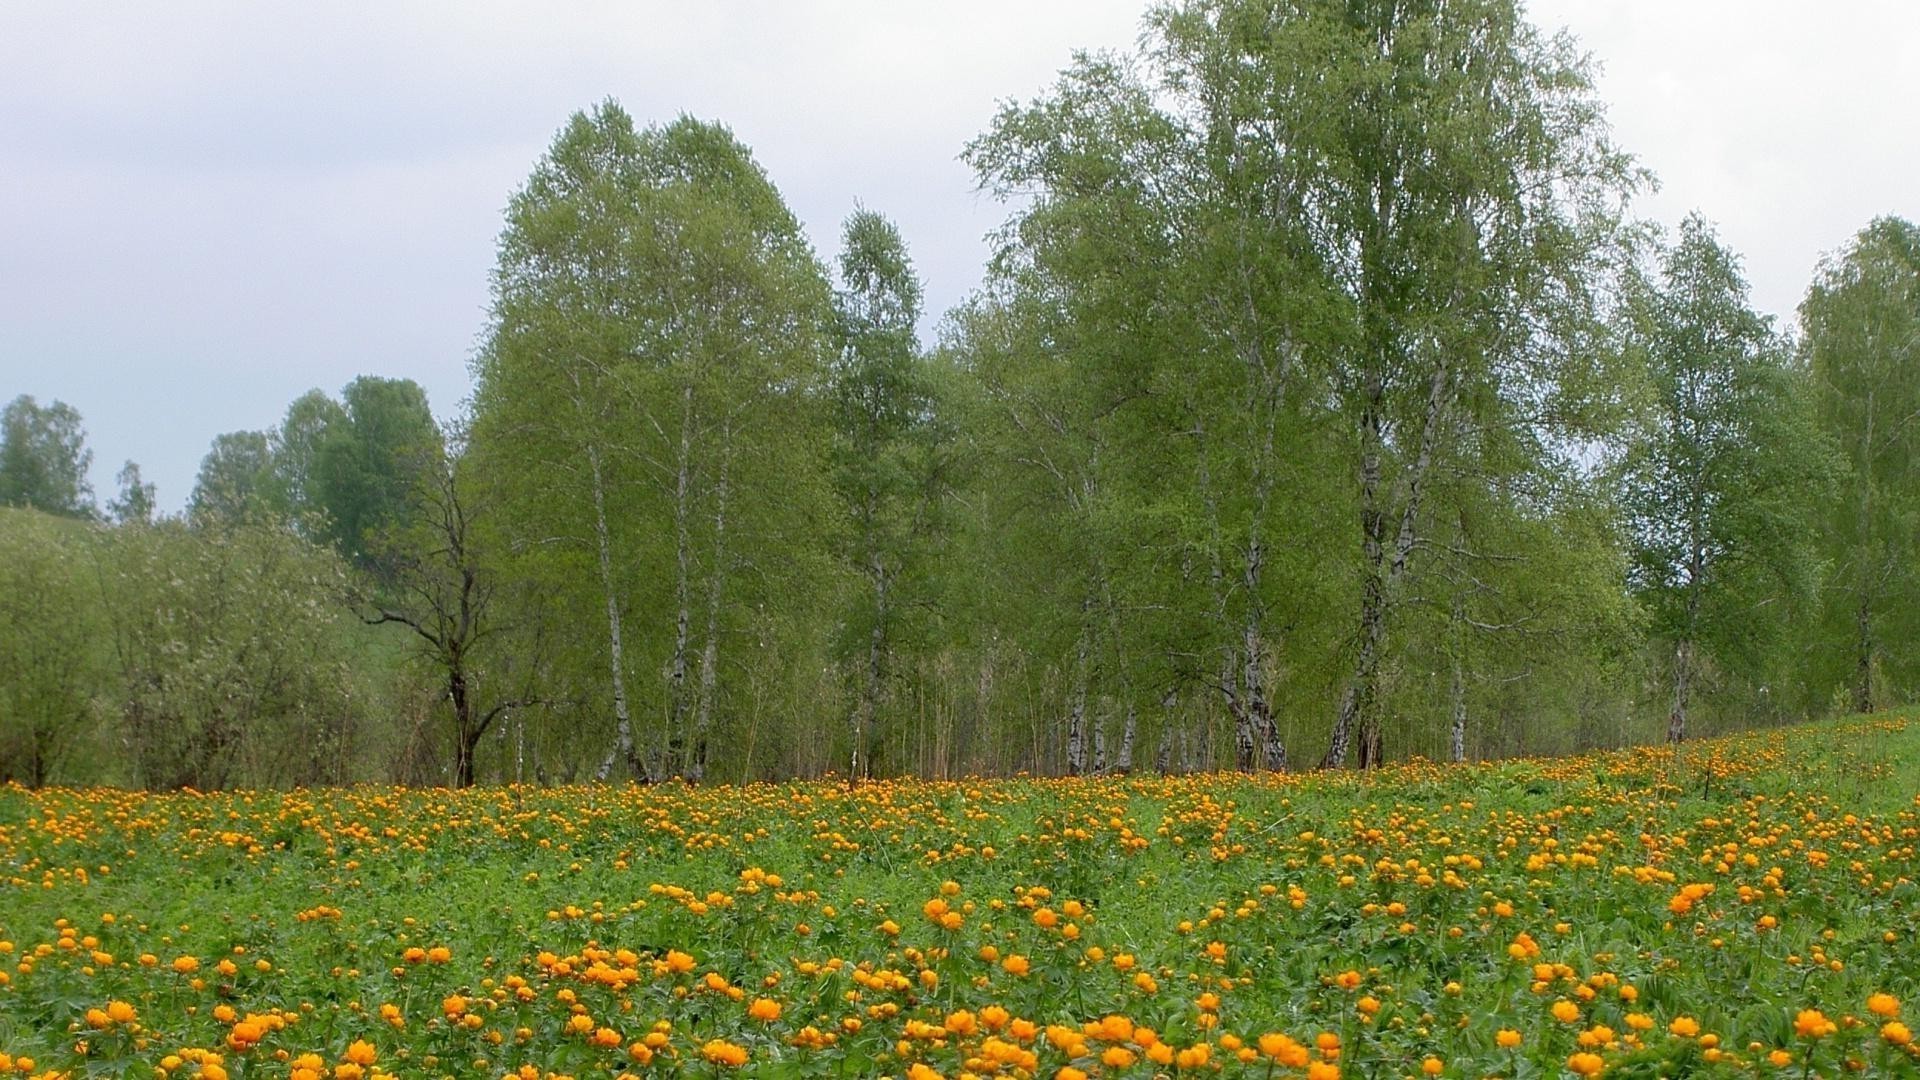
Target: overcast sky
207	209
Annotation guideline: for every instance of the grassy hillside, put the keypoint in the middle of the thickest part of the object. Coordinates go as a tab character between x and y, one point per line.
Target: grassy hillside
1746	904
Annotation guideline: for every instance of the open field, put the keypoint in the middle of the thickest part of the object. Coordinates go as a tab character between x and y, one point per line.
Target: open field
1748	906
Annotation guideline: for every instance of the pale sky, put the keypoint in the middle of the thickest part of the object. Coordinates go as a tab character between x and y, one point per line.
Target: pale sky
208	209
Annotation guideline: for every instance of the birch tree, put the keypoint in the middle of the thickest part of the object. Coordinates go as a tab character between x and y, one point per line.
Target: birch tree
881	414
1861	321
655	349
1463	205
1723	477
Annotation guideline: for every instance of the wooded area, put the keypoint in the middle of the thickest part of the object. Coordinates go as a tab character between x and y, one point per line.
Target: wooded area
1324	404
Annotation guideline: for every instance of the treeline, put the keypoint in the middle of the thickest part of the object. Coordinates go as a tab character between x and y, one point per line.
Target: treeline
1323	405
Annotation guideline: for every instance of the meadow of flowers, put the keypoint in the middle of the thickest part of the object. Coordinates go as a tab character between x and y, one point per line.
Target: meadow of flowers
1746	906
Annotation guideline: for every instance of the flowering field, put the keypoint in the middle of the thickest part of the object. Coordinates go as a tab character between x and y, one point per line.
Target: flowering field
1747	907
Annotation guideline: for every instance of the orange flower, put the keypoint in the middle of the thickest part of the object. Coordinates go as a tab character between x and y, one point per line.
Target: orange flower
1586	1064
1813	1024
722	1052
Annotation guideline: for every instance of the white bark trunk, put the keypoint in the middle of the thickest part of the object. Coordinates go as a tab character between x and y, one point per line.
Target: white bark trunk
677	707
623	721
696	767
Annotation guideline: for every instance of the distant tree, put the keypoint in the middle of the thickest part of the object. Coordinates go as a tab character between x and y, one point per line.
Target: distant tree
235	479
366	460
44	458
134	505
296	443
1724	480
1861	326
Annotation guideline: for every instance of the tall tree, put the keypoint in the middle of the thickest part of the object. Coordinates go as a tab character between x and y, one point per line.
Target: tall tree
44	458
880	413
1861	327
1723	479
648	392
1258	217
1463	254
1161	271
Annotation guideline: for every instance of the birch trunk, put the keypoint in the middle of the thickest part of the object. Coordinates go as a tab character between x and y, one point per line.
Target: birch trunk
1682	685
1077	713
1123	762
696	767
1863	663
683	587
1383	574
623	721
868	710
1457	687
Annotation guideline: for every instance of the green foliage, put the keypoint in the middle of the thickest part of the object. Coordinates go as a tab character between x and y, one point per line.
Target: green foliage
649	408
234	484
1723	481
50	659
1861	342
363	465
44	458
135	503
226	665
